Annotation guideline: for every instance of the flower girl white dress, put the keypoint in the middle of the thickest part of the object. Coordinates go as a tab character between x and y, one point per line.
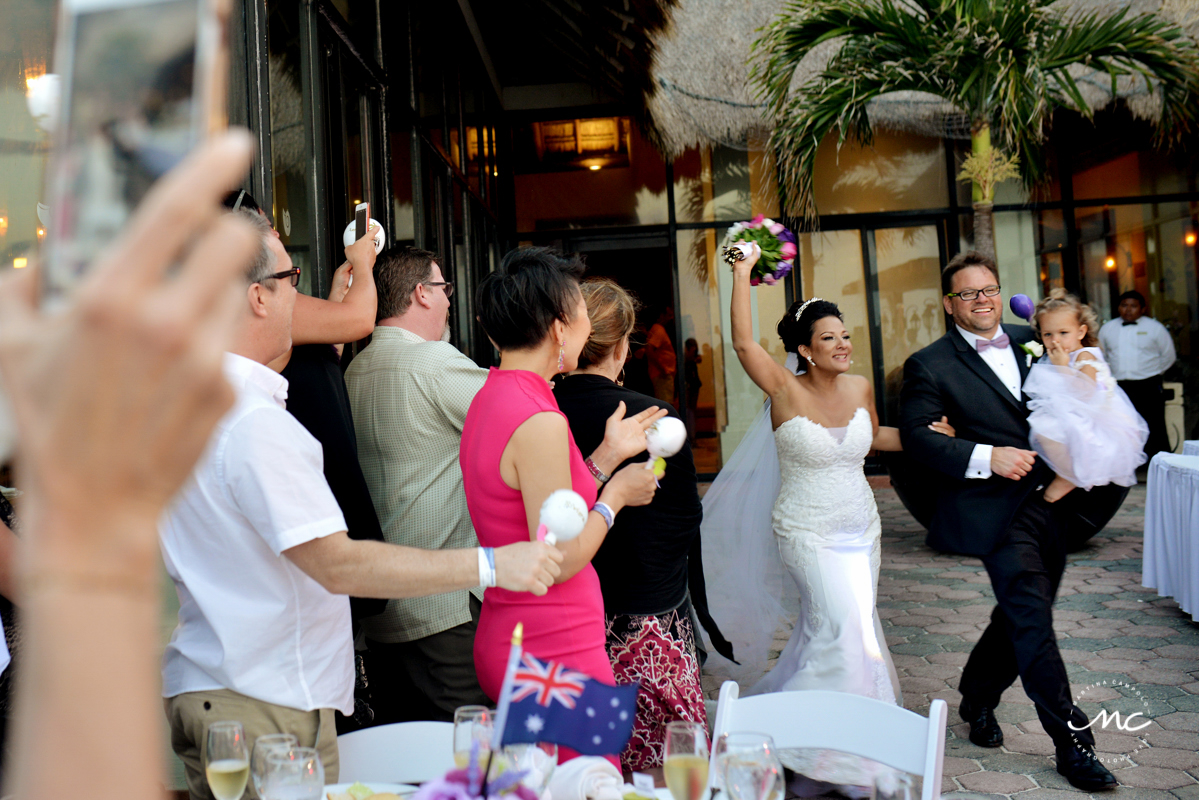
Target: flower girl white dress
1086	430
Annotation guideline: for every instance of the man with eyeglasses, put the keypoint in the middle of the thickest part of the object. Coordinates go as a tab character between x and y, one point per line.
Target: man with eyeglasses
989	504
409	391
258	551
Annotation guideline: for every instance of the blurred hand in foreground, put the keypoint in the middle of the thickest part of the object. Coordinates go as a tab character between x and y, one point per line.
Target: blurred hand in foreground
115	396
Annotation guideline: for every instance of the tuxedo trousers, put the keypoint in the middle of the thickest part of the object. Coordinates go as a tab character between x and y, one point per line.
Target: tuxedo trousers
1025	571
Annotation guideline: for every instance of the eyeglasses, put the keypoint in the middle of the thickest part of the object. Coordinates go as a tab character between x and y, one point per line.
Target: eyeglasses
448	285
970	294
293	273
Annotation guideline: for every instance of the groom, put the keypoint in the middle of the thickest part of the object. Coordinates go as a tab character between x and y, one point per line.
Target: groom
989	504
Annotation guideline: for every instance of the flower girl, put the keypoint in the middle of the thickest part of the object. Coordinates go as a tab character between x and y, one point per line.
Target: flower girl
1082	423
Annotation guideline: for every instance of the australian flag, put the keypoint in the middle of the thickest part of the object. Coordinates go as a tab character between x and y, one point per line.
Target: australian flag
551	703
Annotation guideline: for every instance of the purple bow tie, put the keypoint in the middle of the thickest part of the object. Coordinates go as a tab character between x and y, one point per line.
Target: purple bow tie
1002	340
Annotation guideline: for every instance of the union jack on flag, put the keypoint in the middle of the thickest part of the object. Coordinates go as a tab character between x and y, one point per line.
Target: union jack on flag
549	681
589	717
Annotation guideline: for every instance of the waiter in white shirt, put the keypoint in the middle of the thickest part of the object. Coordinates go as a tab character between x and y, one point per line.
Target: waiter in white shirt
257	547
1139	349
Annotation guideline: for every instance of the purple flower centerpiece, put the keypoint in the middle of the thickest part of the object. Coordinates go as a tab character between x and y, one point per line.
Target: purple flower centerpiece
468	784
777	244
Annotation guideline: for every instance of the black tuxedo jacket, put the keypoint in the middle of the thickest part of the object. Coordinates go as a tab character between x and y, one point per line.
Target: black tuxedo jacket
949	378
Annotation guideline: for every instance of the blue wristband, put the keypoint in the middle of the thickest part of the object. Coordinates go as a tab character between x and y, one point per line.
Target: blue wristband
605	511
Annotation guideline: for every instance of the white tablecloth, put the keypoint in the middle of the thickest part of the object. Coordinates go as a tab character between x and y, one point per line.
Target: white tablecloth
1190	447
1171	562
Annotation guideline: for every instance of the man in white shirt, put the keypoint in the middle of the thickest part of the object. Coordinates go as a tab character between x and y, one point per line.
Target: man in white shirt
1139	349
258	550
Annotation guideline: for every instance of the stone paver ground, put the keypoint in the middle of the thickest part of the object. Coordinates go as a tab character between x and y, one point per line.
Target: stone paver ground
1123	645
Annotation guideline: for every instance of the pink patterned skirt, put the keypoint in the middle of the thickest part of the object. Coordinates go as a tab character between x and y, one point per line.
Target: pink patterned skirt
658	651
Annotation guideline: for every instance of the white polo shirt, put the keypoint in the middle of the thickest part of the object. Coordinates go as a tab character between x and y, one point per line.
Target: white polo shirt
249	619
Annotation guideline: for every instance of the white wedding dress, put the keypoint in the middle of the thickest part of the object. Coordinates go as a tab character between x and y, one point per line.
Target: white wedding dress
824	553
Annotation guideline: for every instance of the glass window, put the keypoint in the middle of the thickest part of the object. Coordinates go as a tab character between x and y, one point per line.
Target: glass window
290	153
1018	258
1132	174
723	183
830	264
909	302
587	172
727	400
900	172
403	209
25	53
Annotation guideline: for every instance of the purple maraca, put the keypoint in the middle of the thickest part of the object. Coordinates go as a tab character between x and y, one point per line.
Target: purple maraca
1022	306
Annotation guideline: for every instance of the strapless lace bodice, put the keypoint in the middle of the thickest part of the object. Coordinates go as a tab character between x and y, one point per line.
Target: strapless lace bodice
824	490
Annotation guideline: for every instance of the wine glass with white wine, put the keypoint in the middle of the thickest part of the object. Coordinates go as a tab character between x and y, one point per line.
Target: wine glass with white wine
749	767
472	724
686	765
228	766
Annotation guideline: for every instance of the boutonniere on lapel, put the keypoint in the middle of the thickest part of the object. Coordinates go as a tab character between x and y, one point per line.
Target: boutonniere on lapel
1032	350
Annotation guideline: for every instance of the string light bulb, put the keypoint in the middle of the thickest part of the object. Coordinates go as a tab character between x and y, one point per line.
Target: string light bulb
1110	264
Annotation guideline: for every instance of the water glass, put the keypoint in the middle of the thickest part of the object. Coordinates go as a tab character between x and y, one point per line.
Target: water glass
228	760
263	745
686	762
892	785
749	766
472	724
294	774
536	760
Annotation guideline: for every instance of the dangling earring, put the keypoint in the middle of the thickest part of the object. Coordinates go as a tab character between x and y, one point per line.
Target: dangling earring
810	361
620	377
562	356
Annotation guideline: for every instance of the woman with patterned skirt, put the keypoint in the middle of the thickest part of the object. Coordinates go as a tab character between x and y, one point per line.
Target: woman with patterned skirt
651	555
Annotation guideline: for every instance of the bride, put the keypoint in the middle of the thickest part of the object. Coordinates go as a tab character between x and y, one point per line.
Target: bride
824	521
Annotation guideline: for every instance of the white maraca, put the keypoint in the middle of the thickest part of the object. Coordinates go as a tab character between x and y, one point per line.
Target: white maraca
562	517
664	438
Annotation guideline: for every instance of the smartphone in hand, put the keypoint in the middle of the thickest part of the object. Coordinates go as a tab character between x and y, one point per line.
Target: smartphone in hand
143	82
362	218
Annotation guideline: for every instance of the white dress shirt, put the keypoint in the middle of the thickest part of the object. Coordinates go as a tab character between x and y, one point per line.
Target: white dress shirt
249	619
1139	351
1002	361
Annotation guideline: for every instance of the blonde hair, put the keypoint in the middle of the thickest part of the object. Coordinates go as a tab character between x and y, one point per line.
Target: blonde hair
1061	300
613	315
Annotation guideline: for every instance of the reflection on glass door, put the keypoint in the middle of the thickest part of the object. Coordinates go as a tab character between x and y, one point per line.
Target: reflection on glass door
907	276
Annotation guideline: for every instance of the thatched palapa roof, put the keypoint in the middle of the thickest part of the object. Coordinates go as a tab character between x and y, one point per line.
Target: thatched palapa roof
700	73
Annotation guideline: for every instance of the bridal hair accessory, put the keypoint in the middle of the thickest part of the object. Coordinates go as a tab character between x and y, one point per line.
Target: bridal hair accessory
804	307
777	244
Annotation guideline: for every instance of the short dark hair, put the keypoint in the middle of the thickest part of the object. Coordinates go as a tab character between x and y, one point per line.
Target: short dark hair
795	332
970	258
519	302
398	271
1133	295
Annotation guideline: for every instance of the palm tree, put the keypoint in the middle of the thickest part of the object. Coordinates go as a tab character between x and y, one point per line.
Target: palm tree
1005	65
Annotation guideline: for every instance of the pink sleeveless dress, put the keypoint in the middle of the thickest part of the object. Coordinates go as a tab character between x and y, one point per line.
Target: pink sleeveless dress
567	623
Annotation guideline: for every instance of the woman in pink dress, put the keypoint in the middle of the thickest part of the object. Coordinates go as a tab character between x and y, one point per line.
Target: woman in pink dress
517	450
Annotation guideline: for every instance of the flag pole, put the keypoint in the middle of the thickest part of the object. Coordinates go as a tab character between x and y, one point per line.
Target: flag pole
501	712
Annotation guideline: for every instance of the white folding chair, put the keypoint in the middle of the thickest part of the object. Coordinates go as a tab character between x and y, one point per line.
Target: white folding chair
849	723
405	752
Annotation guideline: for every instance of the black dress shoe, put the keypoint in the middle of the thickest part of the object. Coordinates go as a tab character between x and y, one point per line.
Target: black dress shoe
984	728
1083	770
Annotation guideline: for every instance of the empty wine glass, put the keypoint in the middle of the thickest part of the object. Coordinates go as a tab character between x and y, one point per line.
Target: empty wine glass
264	745
536	760
228	760
294	774
686	764
472	724
749	766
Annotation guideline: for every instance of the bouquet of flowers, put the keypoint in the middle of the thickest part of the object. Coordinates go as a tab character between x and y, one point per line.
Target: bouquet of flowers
777	244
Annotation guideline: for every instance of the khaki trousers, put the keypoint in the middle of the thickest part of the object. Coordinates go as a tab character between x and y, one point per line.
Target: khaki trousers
190	714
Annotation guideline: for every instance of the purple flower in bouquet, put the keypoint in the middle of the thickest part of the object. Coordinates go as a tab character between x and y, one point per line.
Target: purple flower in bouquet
467	784
777	246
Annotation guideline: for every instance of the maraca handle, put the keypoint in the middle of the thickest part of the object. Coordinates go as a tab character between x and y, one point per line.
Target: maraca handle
544	534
